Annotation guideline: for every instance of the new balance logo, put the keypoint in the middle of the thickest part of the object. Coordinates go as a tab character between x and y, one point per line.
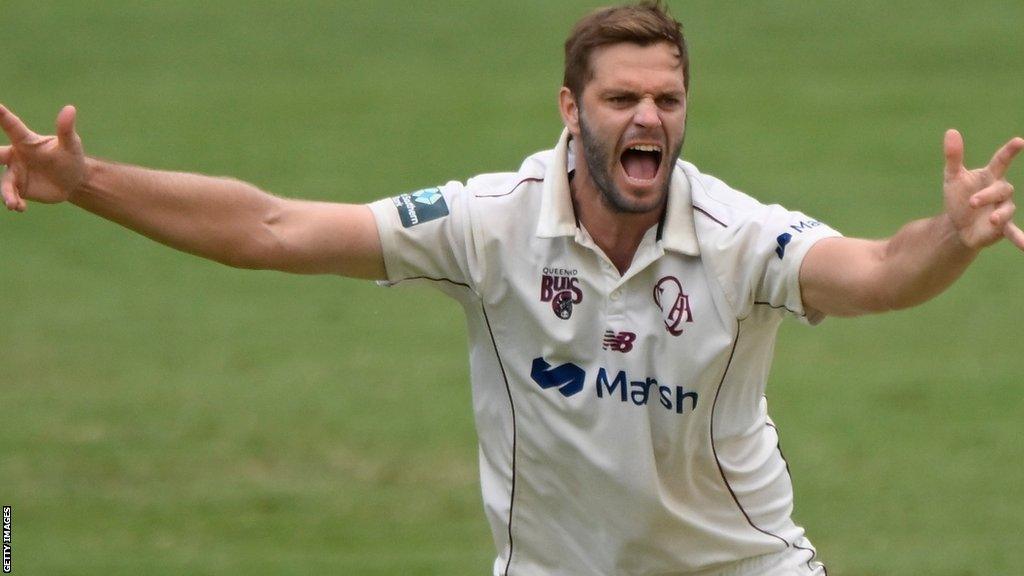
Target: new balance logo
619	342
568	377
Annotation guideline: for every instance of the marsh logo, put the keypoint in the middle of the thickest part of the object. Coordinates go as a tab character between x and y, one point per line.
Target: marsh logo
804	225
674	304
785	238
568	377
421	206
570	380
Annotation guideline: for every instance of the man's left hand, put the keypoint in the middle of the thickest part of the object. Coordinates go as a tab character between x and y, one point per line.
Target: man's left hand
980	202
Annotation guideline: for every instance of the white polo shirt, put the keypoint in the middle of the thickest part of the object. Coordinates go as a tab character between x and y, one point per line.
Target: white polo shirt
622	421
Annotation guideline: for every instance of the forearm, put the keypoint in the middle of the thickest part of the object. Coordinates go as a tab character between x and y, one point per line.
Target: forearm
217	218
852	276
920	261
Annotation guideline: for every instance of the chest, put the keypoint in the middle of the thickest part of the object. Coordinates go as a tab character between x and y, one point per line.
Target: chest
664	319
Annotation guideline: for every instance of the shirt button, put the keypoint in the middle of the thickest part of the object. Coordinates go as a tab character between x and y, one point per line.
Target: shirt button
616	295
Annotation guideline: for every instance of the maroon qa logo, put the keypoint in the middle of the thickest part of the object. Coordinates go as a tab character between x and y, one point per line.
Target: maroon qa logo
561	288
674	304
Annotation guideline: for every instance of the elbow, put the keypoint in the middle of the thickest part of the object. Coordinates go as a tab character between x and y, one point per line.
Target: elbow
862	305
259	247
891	297
245	261
909	300
861	299
253	254
879	289
878	299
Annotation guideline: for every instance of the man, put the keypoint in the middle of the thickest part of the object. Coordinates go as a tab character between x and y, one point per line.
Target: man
622	306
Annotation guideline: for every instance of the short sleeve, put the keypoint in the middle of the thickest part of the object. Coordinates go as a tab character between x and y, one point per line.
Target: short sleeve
427	235
768	246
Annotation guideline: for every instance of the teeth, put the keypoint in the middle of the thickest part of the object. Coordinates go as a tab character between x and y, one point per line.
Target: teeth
646	148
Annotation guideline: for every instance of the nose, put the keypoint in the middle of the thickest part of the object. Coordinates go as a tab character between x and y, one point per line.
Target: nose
647	114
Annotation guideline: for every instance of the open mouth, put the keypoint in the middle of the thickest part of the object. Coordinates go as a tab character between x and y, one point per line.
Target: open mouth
641	163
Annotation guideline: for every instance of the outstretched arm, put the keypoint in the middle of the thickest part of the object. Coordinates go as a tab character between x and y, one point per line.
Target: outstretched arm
222	219
849	276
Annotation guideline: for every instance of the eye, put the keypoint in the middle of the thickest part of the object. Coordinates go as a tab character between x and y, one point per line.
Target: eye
669	102
620	100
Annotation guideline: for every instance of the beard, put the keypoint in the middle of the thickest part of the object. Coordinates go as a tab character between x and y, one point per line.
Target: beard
599	165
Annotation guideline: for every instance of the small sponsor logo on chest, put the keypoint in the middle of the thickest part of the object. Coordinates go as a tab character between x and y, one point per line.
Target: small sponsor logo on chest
561	288
619	341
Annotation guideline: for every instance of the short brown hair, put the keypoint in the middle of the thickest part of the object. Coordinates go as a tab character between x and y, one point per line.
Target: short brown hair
645	23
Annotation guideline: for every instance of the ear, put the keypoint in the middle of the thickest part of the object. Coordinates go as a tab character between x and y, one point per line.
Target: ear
570	111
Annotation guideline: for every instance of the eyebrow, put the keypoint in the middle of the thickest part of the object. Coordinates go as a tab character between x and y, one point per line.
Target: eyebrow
636	94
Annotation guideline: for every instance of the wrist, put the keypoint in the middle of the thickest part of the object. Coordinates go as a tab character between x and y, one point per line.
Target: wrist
90	172
956	238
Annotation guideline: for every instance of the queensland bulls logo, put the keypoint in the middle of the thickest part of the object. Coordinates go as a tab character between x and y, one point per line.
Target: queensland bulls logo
674	304
561	288
561	303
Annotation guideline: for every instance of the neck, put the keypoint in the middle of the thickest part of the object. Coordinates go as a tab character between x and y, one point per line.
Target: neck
618	234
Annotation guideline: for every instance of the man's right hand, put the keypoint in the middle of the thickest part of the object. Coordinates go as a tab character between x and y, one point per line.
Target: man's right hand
46	169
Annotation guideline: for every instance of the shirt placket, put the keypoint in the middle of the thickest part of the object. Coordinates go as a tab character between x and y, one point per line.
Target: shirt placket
616	287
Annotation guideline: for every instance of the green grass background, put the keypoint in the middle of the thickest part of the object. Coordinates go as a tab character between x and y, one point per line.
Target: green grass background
164	415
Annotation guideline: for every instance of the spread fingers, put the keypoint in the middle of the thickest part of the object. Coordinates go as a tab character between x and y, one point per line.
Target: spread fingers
999	191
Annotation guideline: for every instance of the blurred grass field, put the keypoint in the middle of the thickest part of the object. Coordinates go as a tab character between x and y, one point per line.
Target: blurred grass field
166	415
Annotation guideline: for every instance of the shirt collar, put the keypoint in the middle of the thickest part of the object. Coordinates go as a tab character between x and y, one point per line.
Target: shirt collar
557	217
